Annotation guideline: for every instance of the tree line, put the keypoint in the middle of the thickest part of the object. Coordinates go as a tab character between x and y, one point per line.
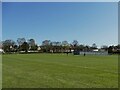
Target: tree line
48	46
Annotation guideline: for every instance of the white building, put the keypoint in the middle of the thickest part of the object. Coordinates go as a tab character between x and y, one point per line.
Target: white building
1	51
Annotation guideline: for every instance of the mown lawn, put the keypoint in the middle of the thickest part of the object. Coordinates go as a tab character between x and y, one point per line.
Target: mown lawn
59	71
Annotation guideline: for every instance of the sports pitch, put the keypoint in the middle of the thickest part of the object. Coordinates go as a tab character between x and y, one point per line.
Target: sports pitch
59	71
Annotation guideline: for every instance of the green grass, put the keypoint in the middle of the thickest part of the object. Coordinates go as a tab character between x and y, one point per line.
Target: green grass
59	71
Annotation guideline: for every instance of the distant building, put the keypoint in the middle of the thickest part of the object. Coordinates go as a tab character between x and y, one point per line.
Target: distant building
1	51
39	48
95	50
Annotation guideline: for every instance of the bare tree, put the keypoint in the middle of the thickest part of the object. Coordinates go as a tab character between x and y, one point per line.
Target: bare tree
94	46
21	41
75	43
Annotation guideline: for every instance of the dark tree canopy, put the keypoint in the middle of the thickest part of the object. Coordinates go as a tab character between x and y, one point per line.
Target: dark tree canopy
25	47
21	41
75	43
8	45
31	42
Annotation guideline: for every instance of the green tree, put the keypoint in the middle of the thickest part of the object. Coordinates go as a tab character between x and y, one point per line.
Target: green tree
21	41
32	45
46	44
25	47
8	45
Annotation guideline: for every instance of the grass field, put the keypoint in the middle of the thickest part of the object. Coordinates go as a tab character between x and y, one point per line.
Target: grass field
59	71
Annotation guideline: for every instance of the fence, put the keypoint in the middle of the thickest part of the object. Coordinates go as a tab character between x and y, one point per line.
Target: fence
95	53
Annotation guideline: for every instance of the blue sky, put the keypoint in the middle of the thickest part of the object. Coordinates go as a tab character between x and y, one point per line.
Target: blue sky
87	22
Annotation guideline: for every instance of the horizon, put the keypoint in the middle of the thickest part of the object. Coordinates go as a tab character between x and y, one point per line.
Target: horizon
26	40
62	21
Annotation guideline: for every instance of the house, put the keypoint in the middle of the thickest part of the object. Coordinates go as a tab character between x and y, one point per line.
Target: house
1	51
95	50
